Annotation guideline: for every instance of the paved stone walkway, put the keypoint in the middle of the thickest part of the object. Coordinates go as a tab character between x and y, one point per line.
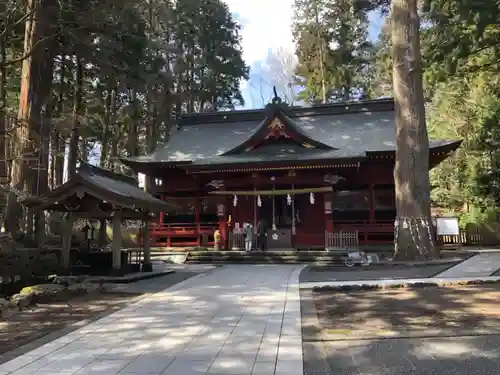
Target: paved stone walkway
482	264
238	320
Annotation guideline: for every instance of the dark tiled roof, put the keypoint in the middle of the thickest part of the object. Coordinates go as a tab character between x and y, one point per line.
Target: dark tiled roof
351	130
103	184
122	188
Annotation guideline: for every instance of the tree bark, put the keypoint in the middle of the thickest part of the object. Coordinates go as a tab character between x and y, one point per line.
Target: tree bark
75	130
3	117
413	231
59	138
36	79
106	130
112	162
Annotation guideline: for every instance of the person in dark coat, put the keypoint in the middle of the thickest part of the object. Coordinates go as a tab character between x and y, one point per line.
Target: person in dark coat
262	233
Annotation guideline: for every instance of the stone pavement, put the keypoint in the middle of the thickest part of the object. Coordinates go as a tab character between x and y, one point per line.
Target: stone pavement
482	264
238	320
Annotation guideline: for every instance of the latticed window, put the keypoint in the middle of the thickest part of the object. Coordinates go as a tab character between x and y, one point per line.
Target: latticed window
351	201
385	199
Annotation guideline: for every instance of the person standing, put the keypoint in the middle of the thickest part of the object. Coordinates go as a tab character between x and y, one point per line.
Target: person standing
248	231
262	230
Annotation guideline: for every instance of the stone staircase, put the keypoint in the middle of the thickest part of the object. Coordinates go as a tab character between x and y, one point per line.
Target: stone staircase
267	257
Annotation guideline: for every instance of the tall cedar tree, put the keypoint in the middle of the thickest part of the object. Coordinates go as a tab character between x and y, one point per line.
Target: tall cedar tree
413	229
332	49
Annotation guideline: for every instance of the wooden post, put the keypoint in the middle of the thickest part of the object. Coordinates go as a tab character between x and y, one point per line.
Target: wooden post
371	198
146	263
221	213
67	235
327	201
328	212
162	214
116	244
197	213
102	236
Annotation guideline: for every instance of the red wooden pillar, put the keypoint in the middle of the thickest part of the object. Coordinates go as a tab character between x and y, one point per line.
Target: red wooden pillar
371	198
221	213
197	214
162	214
328	198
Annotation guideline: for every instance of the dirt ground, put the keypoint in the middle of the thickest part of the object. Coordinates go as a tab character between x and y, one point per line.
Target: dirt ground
430	311
29	325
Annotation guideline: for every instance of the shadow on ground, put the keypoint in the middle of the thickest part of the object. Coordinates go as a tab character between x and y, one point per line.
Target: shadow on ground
48	319
452	330
319	274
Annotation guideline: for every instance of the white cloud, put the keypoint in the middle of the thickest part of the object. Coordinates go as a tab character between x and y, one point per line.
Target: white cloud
266	25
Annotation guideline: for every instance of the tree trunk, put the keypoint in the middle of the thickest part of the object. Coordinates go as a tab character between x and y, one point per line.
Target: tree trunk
151	136
75	130
132	140
413	231
3	116
36	79
41	186
59	138
114	132
103	158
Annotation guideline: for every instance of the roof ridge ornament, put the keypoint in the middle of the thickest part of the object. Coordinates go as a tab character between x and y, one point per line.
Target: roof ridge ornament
276	100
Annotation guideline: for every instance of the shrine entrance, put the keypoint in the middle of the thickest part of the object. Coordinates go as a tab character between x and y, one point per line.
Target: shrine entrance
277	212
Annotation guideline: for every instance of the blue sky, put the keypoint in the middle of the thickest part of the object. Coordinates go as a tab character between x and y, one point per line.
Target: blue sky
266	26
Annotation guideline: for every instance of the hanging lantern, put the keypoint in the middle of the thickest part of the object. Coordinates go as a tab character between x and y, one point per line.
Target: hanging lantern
259	202
235	201
289	199
311	198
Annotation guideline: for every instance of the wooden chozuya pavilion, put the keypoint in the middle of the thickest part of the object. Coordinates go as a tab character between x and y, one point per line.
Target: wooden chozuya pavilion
308	172
97	193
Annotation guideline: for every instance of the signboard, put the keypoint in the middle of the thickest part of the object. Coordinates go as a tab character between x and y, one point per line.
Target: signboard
328	207
447	226
220	210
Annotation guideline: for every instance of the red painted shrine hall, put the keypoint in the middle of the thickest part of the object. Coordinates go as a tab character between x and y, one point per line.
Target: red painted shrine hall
307	171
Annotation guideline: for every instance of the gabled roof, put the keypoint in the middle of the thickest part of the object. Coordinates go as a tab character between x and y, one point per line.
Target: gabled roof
336	131
277	125
114	188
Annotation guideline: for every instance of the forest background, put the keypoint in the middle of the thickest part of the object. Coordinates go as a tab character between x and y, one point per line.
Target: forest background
99	80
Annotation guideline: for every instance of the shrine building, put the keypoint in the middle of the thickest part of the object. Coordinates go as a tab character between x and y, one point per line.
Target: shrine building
308	172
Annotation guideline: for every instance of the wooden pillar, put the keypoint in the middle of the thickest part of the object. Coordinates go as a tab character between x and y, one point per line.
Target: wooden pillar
197	213
221	213
67	235
146	241
328	198
102	235
162	214
371	198
116	244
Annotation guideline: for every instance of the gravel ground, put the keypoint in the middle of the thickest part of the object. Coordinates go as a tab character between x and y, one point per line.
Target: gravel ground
402	332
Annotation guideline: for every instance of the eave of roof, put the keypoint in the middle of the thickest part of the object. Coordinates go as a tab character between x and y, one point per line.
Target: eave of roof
103	186
321	158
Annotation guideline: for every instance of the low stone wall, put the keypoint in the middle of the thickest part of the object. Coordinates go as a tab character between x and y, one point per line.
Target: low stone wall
59	290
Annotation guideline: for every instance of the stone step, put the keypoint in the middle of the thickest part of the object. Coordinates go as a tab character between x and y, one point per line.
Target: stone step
316	257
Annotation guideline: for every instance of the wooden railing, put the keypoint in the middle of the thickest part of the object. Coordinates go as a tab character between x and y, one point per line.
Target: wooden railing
382	226
182	229
341	240
182	234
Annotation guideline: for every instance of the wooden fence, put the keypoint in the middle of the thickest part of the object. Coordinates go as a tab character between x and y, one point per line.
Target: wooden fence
475	235
341	240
